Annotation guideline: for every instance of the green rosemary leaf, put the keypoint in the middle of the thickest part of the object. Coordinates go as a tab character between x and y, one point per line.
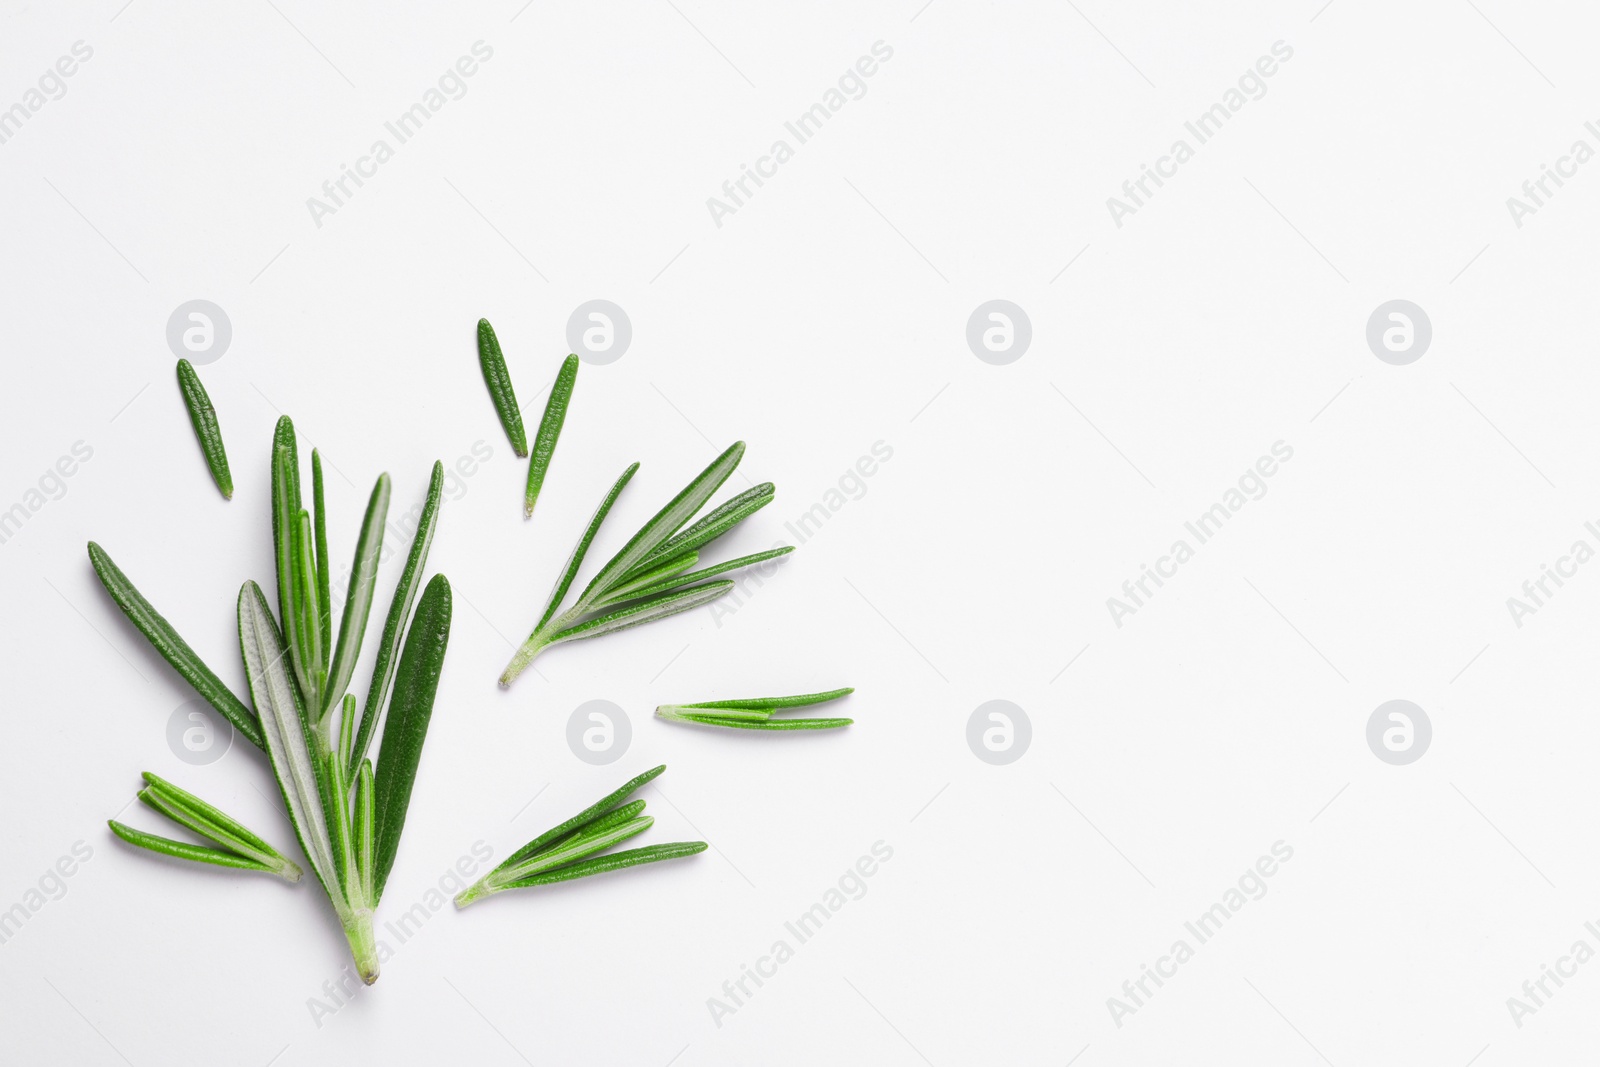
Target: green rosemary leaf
498	379
531	647
307	629
708	572
773	703
363	830
711	718
673	712
716	522
324	561
336	809
358	601
644	611
204	419
172	647
663	525
406	725
405	594
288	741
285	503
575	849
599	824
247	846
650	579
180	798
183	850
544	442
593	813
632	857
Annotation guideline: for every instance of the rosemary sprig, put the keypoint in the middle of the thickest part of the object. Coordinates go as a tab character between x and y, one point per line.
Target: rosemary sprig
544	442
561	853
755	713
498	379
646	580
346	816
203	417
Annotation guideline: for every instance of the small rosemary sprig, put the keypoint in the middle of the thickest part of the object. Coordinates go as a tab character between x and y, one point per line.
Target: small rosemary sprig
237	846
756	713
562	852
649	578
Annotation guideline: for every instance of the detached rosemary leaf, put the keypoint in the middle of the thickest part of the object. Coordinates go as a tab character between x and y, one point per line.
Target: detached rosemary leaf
663	525
358	602
405	728
288	741
405	594
700	575
544	442
716	522
773	703
498	379
183	850
204	419
711	718
173	648
324	562
584	818
632	857
531	647
644	611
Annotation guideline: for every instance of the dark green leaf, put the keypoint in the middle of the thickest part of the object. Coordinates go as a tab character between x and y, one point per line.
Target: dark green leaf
203	417
498	379
544	442
632	857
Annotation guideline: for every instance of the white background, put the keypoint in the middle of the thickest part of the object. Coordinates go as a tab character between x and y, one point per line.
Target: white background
825	315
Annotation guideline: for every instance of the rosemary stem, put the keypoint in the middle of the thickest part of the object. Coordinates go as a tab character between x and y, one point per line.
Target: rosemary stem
363	942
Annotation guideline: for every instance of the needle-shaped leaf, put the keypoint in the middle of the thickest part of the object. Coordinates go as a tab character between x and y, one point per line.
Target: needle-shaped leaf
676	581
406	726
531	647
637	614
203	416
650	578
577	848
405	594
674	711
358	602
802	700
363	829
544	442
191	812
285	504
288	741
711	718
184	851
173	648
307	649
716	522
679	510
498	379
599	809
324	562
632	857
